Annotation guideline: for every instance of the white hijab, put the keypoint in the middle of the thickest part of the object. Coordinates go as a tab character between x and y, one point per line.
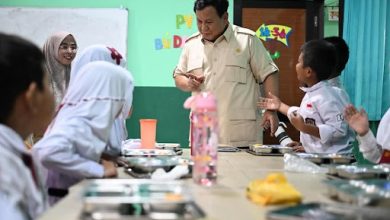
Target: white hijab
90	107
108	54
59	74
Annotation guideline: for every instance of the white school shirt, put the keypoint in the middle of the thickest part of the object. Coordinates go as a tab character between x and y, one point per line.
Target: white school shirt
109	54
321	106
372	148
336	85
78	135
20	196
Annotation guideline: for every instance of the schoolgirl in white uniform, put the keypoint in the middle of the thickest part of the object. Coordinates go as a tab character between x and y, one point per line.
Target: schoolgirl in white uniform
105	53
75	140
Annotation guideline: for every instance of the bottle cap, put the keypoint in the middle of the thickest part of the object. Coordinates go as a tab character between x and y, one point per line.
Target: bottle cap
202	101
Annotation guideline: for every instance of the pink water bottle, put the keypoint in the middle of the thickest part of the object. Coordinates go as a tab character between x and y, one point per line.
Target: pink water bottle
204	137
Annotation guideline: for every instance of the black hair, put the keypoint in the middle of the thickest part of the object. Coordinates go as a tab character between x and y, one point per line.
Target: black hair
321	57
342	52
21	63
220	5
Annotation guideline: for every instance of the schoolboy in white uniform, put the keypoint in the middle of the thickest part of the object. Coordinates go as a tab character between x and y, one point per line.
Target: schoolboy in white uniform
27	105
320	115
342	51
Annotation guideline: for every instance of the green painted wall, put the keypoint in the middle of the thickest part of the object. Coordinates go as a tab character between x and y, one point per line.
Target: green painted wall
148	20
331	28
166	105
155	95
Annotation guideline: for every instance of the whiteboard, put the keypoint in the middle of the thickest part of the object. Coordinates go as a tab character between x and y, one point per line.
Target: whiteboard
89	25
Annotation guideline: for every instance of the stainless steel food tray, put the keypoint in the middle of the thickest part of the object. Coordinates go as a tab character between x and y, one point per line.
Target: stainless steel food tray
138	199
327	211
268	150
360	171
324	158
143	167
147	152
170	146
360	192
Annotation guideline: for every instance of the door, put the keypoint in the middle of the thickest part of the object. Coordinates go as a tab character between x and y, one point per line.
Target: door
283	26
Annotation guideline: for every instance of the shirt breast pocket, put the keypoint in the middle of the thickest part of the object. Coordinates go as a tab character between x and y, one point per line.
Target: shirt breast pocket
236	70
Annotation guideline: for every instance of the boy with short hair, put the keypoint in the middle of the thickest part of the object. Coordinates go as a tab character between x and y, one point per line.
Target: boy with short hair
320	115
342	51
27	105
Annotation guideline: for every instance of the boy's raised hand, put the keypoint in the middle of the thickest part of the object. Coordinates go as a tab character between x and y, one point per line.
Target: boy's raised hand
272	103
357	120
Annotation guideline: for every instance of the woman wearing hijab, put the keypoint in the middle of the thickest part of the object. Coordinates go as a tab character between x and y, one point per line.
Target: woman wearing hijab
76	138
60	49
111	55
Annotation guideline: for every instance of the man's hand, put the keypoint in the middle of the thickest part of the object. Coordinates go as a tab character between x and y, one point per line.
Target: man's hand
194	82
357	120
270	121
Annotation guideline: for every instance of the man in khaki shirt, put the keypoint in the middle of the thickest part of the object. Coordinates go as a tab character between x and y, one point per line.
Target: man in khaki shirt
230	62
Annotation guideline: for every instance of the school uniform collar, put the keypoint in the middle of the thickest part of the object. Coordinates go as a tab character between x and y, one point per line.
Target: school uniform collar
11	140
315	86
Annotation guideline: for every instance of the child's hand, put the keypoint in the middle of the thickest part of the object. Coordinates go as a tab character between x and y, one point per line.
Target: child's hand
109	169
298	148
294	144
297	121
272	103
357	120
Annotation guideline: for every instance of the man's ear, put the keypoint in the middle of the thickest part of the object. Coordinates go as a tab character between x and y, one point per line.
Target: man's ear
225	17
30	97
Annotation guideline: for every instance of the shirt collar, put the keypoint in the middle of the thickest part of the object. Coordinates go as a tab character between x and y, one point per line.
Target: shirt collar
315	86
11	140
226	35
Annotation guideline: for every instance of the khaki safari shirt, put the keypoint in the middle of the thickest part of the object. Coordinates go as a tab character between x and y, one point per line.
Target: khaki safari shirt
233	67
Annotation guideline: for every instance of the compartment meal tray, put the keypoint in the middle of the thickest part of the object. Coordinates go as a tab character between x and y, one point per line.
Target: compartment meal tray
138	199
328	211
360	192
325	158
360	172
148	152
143	167
268	150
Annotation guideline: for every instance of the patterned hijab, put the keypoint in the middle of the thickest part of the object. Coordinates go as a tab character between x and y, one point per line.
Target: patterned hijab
59	74
111	55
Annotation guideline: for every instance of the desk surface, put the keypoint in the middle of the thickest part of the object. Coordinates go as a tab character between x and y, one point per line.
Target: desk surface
226	200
